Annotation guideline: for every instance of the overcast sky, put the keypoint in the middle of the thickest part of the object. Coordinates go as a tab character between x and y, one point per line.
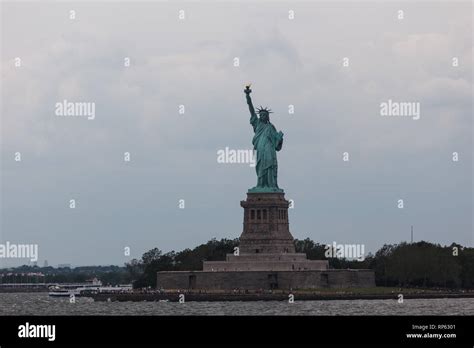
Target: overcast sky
174	156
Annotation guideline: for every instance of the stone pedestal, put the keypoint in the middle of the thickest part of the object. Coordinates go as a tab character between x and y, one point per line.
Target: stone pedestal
266	243
266	226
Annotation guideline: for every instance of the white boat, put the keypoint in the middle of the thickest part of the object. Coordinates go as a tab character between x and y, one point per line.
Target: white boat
67	290
61	292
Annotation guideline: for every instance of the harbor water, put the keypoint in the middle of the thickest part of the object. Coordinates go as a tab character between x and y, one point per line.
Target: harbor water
42	304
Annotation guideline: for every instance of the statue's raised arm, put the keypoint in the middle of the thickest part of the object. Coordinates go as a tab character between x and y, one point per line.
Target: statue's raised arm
247	92
253	115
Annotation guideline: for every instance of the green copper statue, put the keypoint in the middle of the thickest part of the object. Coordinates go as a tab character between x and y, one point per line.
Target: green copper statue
266	141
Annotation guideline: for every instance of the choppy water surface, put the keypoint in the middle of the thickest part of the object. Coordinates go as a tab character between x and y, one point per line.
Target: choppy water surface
42	304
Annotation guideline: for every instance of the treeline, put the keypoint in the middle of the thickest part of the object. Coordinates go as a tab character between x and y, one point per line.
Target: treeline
424	264
420	264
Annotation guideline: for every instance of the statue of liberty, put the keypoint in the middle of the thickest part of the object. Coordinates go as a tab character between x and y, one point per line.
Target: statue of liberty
266	141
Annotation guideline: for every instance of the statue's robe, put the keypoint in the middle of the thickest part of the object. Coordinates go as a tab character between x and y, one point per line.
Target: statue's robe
266	142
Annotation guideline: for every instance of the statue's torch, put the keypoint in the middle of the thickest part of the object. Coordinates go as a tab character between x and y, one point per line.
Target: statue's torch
247	89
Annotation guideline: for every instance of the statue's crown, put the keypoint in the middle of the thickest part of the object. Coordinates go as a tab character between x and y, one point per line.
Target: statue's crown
264	109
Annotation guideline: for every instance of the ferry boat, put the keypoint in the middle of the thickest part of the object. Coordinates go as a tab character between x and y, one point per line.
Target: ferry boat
67	290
